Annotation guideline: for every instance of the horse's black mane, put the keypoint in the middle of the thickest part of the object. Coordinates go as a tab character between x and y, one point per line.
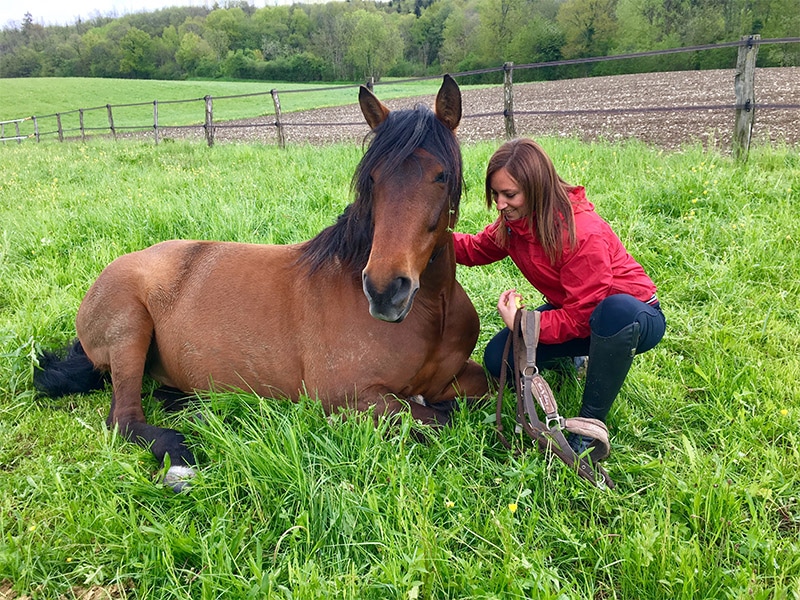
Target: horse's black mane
350	239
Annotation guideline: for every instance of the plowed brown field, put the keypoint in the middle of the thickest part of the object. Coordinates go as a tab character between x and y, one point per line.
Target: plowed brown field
663	109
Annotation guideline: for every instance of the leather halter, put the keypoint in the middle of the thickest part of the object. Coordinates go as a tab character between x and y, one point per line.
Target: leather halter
548	434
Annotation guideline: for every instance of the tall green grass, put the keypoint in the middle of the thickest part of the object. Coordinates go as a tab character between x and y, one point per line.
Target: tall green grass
291	504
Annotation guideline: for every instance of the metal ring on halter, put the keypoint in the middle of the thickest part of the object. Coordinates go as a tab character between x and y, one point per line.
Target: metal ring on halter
557	419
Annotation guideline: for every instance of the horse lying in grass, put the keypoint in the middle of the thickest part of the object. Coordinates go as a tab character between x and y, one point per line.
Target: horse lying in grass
366	314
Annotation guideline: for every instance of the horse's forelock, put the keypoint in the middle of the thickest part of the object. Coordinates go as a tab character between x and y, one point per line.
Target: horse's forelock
393	141
398	137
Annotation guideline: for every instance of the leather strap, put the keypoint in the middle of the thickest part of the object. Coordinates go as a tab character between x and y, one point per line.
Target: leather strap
532	390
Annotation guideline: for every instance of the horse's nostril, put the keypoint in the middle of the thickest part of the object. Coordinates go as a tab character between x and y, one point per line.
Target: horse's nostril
391	302
399	290
395	293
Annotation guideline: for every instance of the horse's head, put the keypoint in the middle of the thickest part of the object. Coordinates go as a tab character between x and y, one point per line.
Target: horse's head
411	177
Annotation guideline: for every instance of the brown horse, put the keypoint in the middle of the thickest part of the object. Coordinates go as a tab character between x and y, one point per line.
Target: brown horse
366	314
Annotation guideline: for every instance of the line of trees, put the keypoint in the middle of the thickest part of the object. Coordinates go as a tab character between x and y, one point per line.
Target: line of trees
356	39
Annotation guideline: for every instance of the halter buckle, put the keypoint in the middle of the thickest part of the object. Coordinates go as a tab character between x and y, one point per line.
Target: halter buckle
555	421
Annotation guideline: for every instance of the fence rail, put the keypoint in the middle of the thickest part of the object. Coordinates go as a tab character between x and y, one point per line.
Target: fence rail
744	107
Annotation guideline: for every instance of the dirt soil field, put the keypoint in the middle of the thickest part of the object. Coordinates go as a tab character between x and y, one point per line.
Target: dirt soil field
691	107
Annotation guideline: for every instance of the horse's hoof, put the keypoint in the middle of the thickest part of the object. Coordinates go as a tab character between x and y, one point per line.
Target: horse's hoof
179	478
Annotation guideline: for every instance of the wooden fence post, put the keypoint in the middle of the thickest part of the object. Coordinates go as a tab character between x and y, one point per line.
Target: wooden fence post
60	129
371	84
36	129
155	119
508	100
744	86
16	128
80	118
111	121
209	124
277	103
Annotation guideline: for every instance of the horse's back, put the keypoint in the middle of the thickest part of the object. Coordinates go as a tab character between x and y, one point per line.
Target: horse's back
169	274
202	303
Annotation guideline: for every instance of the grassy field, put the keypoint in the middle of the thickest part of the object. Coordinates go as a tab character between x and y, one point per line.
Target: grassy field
20	98
290	504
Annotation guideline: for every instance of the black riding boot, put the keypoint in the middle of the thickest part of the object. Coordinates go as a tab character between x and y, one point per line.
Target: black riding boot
610	359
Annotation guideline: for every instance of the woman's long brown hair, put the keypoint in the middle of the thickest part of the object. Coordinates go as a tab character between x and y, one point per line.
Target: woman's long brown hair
546	194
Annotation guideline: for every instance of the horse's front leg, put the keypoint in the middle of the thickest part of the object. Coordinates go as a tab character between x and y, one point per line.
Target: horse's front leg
470	383
386	404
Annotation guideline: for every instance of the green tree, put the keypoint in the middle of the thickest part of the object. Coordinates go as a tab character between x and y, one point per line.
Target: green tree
458	35
332	35
539	40
217	39
65	57
427	32
195	24
103	54
374	47
227	24
356	38
300	28
238	65
193	52
137	59
777	19
170	40
21	62
639	24
500	21
271	27
589	27
164	50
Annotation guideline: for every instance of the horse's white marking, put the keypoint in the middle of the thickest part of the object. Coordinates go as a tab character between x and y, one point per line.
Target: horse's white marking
179	477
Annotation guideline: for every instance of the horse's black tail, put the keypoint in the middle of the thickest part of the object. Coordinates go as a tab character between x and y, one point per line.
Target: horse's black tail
67	372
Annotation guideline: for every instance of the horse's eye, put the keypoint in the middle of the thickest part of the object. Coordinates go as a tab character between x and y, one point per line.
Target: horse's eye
441	178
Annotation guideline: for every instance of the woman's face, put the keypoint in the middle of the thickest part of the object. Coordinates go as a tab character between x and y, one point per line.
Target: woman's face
508	198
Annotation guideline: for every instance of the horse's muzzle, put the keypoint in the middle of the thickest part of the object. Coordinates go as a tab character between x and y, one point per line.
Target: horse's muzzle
394	301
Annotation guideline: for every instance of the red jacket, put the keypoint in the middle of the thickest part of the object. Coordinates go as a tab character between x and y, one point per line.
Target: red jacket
597	267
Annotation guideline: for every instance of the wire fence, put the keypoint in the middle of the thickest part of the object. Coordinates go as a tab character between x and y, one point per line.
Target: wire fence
125	119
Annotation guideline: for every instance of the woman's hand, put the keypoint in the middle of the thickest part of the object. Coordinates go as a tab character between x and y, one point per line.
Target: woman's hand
508	305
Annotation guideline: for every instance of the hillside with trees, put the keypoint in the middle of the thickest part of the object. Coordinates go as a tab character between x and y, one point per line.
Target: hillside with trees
357	39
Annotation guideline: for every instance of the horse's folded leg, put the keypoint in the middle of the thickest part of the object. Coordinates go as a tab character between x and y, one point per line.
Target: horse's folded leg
430	413
473	381
443	411
172	399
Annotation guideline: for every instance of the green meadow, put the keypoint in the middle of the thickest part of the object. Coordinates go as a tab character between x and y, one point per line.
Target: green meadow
179	102
292	504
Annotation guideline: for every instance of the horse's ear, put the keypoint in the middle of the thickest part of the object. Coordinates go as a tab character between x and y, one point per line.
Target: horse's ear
374	111
448	103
